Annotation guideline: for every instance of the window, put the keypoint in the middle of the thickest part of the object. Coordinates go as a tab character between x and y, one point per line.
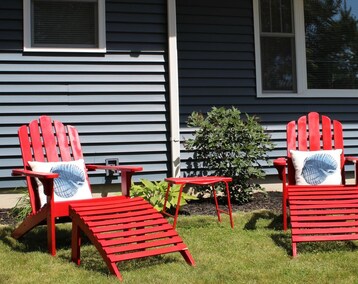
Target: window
64	25
306	48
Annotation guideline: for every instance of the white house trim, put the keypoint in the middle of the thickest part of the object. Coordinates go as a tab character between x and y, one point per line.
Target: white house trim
28	32
173	88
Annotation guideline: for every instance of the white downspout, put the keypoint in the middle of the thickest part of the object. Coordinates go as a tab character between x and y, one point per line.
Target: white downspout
173	88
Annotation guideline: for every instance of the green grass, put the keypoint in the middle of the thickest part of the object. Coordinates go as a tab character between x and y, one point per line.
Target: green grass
255	251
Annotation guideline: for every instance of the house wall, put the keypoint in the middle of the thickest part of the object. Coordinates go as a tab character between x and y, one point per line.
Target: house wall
117	100
217	68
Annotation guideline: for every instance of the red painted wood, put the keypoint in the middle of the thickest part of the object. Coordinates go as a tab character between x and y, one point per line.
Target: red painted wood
317	213
136	239
146	253
49	140
291	137
36	141
138	232
327	135
202	180
74	141
334	230
121	220
314	132
43	140
143	245
302	133
62	141
348	237
133	237
108	222
324	224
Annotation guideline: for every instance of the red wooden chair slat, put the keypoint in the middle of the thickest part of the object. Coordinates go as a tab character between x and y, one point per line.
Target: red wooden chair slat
146	253
327	133
314	206
143	245
314	133
136	239
138	232
62	140
36	141
74	142
302	134
49	139
324	224
106	221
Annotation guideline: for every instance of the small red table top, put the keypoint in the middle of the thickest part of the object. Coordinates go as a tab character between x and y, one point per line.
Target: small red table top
198	180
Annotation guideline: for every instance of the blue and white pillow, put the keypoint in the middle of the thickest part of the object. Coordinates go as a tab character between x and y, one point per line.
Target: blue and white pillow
317	167
71	183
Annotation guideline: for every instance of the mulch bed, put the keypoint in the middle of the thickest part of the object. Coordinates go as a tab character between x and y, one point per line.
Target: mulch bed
271	201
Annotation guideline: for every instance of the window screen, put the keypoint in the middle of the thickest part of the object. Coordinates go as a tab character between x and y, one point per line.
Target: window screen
64	24
277	46
331	30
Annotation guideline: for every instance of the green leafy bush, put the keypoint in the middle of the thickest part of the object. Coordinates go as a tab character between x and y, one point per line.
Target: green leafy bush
228	145
154	193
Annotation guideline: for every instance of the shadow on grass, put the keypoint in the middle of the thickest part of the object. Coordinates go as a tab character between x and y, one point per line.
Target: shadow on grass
36	239
283	240
91	260
275	220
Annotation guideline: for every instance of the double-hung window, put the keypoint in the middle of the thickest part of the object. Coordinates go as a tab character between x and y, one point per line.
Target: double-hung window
64	25
306	48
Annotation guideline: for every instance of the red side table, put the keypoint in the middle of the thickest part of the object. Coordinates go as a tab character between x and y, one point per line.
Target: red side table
205	180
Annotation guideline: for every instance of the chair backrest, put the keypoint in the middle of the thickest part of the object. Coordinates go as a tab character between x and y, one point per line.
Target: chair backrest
44	140
312	133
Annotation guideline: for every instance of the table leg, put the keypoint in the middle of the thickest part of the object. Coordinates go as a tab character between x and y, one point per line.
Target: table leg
216	202
178	206
229	204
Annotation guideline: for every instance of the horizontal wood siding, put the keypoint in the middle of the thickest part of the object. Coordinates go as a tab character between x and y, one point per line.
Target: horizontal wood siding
117	101
217	68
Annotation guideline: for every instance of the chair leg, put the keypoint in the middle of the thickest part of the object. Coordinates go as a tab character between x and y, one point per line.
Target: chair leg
51	235
30	222
294	249
284	213
76	244
188	258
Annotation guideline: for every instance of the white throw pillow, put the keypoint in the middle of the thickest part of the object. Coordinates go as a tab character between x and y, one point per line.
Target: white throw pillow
317	167
71	183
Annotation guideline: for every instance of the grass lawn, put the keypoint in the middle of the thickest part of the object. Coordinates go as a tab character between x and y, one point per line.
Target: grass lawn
255	251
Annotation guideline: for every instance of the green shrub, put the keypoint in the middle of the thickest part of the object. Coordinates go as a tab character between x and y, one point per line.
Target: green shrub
228	145
154	193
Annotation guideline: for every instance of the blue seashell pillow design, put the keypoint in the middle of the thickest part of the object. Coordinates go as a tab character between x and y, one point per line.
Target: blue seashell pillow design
317	167
71	183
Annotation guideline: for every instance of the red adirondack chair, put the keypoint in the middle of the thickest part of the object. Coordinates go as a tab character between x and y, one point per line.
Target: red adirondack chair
318	211
50	145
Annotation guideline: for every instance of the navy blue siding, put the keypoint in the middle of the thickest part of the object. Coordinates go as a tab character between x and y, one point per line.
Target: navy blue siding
117	100
217	68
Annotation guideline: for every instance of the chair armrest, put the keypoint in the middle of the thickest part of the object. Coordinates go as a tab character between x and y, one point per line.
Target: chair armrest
131	169
40	175
45	178
126	174
351	159
280	164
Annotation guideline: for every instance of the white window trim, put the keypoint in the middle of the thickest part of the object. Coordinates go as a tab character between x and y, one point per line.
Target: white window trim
301	70
101	33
